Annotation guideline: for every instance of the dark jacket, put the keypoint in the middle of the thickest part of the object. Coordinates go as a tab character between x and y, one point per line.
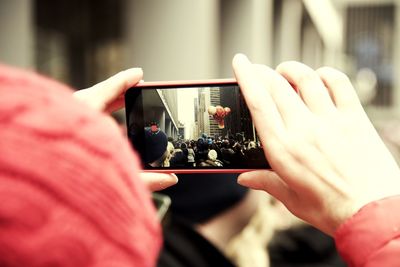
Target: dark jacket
184	247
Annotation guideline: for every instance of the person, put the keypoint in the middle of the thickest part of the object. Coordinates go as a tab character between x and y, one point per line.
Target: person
157	142
212	159
179	157
227	153
329	165
206	212
201	152
326	158
190	155
68	166
255	154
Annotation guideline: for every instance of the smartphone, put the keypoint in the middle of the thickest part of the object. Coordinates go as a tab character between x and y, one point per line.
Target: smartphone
193	126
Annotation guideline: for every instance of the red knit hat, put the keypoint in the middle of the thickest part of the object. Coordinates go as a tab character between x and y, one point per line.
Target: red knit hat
69	188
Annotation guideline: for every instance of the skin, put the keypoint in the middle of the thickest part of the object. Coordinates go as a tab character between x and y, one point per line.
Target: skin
327	159
108	96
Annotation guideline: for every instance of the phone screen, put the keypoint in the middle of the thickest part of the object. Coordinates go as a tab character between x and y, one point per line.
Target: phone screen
196	126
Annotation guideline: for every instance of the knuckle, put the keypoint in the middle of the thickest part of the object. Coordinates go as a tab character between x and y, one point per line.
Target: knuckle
307	77
340	77
333	75
285	65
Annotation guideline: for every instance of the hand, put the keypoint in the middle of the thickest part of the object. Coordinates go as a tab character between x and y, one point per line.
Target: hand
327	159
108	95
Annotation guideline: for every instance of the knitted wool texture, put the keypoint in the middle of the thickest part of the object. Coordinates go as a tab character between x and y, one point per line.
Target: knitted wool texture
69	188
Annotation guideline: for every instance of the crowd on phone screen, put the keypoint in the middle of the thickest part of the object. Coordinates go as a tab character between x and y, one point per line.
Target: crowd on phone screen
212	152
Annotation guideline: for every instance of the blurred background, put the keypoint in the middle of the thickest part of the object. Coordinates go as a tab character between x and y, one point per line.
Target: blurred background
81	42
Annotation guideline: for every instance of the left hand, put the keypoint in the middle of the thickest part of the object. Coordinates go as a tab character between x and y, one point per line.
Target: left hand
108	96
158	181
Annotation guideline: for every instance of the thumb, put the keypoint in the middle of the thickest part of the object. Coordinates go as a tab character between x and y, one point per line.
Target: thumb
103	94
267	181
158	181
120	82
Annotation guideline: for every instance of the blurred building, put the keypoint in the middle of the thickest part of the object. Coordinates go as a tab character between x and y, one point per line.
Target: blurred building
203	120
238	123
215	99
161	109
181	131
194	129
81	42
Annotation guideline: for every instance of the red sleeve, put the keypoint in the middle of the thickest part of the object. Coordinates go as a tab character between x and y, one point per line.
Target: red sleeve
371	238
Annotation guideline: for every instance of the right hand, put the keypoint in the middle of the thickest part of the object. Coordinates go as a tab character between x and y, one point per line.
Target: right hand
327	159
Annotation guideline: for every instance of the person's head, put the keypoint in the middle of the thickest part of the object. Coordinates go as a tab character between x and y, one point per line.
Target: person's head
202	145
69	188
156	146
183	146
199	197
225	144
177	145
212	155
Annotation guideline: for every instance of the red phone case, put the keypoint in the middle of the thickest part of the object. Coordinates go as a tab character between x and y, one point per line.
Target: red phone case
182	84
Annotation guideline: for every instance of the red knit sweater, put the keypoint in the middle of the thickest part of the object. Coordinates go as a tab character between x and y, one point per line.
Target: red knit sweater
69	188
371	237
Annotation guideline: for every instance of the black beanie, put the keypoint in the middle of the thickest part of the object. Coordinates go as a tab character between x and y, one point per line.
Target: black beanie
199	197
156	144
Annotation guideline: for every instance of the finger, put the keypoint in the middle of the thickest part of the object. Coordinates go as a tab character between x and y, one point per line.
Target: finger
102	94
116	104
287	101
340	88
158	181
120	82
268	181
309	85
265	114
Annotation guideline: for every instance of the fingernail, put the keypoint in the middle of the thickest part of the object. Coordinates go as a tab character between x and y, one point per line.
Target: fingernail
169	177
241	59
175	178
134	70
242	179
132	74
